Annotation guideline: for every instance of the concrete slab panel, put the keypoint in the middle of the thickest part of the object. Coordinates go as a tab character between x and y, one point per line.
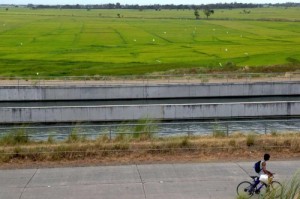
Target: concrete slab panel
190	190
10	193
82	175
199	172
94	191
15	178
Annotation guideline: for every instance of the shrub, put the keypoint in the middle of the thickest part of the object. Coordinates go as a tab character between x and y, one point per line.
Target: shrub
120	137
185	142
145	129
50	139
20	136
73	137
4	156
295	145
103	138
232	143
250	140
230	66
219	133
274	133
120	146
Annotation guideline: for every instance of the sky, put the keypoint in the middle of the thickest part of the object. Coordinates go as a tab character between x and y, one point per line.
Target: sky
140	2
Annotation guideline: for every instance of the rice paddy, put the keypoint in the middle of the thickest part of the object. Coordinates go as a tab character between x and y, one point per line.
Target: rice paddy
53	42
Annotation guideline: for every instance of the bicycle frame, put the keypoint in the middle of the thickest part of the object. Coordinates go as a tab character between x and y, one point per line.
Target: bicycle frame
257	182
257	187
260	187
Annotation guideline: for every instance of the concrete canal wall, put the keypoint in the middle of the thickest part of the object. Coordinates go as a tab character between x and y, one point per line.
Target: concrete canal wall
40	93
136	112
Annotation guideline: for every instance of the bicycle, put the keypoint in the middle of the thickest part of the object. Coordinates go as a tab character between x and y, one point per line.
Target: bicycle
272	189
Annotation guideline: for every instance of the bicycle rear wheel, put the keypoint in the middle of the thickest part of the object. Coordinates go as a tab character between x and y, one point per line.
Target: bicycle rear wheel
273	190
245	189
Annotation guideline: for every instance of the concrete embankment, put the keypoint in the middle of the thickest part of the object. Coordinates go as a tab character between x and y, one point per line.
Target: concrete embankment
41	93
159	111
155	111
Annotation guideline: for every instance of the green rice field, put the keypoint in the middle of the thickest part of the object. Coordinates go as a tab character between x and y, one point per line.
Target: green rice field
54	42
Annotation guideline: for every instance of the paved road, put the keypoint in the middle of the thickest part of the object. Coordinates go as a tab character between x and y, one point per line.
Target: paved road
157	181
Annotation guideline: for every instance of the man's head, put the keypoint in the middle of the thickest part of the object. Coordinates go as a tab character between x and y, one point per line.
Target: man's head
266	157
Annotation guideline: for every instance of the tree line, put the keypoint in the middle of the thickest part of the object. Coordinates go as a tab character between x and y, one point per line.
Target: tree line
166	6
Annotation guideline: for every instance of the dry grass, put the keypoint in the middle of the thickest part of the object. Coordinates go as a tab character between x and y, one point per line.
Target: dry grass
130	150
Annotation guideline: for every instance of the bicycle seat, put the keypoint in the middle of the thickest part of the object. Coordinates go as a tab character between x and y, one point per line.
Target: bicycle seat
253	177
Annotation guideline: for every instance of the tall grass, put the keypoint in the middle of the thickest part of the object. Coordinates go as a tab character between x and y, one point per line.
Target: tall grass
75	135
19	136
74	147
218	132
250	141
145	129
291	189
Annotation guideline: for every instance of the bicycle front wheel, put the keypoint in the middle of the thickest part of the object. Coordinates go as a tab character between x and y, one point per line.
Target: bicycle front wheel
245	189
273	190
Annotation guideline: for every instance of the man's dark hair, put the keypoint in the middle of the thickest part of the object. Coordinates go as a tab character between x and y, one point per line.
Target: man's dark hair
266	156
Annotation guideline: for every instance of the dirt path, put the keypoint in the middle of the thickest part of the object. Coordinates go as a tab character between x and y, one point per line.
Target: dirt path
93	81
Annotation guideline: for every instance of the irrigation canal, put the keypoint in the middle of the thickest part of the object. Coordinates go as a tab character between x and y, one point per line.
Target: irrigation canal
159	129
60	131
86	103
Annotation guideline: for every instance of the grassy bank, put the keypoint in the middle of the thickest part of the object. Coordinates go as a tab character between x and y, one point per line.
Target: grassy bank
18	149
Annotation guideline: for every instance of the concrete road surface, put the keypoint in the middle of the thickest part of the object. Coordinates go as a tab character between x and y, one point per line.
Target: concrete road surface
155	181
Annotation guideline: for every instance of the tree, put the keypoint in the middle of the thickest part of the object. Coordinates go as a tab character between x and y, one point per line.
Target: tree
118	5
196	13
208	12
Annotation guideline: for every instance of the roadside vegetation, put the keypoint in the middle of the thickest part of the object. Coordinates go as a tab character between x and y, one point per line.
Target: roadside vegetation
58	42
143	146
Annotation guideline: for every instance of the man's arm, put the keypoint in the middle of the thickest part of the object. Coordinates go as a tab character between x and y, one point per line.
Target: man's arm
264	168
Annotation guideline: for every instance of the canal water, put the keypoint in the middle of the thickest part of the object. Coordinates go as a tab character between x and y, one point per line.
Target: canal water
147	101
175	128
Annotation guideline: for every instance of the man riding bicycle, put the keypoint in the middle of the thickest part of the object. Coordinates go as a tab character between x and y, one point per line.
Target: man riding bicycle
261	169
266	187
264	166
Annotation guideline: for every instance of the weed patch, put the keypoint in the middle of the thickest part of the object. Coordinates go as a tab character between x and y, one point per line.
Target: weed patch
250	140
19	136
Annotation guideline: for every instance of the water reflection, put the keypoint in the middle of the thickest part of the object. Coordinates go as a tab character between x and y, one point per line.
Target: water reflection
93	131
